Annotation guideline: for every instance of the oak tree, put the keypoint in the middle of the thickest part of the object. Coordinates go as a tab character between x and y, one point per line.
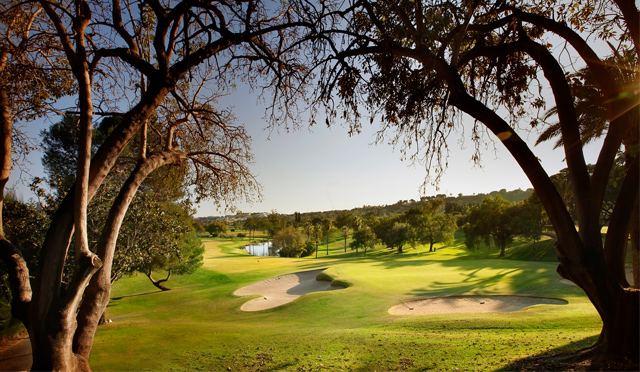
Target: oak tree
430	224
364	239
288	242
159	66
421	67
216	228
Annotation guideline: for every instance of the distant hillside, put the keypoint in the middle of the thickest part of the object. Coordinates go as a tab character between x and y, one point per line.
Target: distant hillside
388	210
460	200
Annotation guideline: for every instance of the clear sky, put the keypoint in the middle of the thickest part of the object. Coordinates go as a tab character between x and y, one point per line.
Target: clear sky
325	169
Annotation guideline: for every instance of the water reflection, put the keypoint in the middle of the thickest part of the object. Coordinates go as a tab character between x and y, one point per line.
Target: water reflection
259	249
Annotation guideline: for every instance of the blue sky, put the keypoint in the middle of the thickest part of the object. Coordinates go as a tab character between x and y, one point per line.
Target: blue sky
325	169
320	168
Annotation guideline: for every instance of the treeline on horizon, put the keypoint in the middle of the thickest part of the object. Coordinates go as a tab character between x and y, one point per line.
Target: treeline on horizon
451	204
497	217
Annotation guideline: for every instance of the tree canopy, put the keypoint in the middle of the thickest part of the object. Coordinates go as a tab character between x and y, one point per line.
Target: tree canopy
289	242
419	69
216	228
502	221
159	67
364	239
422	68
430	224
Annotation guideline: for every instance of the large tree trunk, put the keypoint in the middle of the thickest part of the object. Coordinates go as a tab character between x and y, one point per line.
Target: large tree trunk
583	259
52	345
98	293
617	306
635	246
6	127
63	338
581	263
67	347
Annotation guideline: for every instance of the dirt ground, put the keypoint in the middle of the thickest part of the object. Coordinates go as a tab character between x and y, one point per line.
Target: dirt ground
15	354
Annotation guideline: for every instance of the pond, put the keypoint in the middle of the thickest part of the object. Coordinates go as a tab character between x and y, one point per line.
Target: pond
259	249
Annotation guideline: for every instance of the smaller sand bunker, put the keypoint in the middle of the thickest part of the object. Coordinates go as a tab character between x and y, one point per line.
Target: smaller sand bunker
470	304
282	289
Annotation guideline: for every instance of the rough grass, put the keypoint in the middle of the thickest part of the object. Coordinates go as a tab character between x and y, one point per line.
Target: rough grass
198	324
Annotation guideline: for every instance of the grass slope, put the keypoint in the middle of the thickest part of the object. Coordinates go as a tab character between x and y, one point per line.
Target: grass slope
198	324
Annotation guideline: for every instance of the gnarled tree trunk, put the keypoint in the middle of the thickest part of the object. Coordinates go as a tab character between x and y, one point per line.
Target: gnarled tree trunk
158	283
98	294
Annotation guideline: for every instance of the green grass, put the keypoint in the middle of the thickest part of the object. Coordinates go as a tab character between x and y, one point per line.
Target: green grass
9	326
198	324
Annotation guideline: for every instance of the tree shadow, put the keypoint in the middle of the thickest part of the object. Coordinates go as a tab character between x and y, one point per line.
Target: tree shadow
472	283
564	358
132	295
486	276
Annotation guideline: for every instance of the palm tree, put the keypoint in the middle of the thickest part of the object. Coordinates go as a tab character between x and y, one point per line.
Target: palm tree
345	234
327	224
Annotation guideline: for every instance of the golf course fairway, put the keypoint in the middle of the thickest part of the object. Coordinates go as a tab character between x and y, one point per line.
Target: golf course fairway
199	324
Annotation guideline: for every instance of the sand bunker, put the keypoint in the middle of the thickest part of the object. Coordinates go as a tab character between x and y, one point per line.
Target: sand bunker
282	289
470	304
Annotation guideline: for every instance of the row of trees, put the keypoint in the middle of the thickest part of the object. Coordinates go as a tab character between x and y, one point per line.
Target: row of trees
418	226
502	221
493	219
427	225
415	68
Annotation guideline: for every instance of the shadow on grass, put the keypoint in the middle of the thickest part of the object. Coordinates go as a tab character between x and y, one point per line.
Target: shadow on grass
563	359
134	295
478	276
485	276
474	283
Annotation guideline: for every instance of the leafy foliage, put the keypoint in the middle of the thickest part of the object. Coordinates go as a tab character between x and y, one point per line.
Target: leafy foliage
399	235
216	228
500	220
32	64
590	104
24	224
157	227
364	239
289	242
430	225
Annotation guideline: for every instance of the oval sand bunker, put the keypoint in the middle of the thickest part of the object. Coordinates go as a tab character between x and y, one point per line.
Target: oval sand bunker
470	304
282	289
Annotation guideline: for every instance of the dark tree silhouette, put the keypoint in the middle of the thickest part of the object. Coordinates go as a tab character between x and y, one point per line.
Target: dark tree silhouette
418	66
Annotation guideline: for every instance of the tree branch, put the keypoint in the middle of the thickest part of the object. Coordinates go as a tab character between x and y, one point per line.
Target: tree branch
618	232
97	294
572	143
631	15
18	279
617	109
